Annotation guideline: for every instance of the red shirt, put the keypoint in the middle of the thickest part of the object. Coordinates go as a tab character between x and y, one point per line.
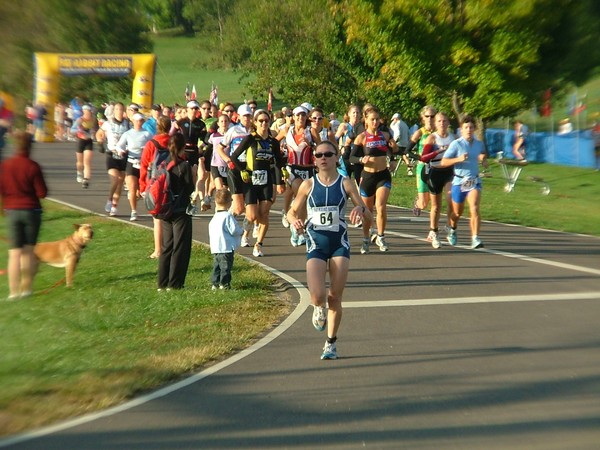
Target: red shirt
22	183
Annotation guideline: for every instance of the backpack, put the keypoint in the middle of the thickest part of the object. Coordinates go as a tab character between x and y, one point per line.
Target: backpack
159	198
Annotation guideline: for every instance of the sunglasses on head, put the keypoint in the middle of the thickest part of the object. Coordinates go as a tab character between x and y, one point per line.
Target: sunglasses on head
324	155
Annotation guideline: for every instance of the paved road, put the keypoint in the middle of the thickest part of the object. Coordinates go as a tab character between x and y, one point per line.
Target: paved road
452	348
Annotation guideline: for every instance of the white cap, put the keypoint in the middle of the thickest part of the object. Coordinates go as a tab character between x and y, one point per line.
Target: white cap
244	110
137	116
307	106
86	108
396	116
193	104
300	109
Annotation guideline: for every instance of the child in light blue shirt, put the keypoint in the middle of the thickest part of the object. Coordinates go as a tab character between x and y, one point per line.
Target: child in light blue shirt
225	234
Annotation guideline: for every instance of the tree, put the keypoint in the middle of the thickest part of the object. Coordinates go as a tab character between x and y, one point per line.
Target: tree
488	58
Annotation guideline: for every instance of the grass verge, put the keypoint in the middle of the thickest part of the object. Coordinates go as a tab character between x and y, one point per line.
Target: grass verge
66	352
571	205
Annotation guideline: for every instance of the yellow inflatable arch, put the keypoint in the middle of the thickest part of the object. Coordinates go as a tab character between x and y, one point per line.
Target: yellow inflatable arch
50	66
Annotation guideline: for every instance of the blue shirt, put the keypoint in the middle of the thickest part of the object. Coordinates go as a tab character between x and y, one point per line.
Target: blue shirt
470	167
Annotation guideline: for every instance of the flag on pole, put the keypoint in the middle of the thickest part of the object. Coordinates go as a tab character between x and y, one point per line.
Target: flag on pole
193	96
187	92
270	101
214	95
546	110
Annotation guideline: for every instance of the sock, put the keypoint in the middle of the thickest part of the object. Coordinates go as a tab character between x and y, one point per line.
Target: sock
331	340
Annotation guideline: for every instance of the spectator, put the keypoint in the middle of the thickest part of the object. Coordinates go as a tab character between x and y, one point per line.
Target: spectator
22	185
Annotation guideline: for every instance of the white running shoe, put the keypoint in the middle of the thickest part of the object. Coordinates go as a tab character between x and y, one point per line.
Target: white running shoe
284	220
319	318
301	239
294	237
244	242
434	239
113	211
476	242
329	351
257	251
79	177
380	242
108	206
452	237
134	216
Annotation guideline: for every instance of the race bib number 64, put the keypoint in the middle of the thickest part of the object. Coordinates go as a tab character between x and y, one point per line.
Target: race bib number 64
326	218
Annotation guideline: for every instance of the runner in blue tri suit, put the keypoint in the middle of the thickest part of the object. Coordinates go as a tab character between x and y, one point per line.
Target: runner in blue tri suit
319	211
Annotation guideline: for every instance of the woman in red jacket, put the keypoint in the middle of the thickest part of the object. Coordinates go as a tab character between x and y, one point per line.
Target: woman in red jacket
22	185
163	125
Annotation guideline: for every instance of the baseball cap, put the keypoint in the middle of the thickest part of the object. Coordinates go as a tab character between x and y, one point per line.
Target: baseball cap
134	107
396	116
156	107
244	110
307	106
193	104
86	108
137	116
299	110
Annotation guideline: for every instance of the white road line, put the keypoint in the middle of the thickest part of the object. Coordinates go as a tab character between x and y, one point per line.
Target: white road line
466	300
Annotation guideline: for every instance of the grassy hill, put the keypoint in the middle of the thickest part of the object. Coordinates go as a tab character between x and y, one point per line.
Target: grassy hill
183	60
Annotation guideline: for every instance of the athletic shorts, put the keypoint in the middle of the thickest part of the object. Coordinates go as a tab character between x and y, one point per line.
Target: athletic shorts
459	196
234	181
133	171
118	164
371	181
84	144
255	194
219	172
192	157
422	186
327	244
23	226
437	178
303	173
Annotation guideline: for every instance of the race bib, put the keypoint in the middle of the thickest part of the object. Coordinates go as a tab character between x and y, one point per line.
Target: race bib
326	218
303	174
468	184
259	177
222	171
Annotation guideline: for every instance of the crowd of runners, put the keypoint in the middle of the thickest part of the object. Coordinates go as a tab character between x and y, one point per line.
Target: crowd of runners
311	159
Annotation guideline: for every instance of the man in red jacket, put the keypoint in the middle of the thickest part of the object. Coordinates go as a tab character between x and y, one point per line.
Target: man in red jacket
22	185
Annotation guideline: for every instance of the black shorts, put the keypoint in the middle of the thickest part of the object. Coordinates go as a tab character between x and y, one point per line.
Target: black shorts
436	178
133	171
234	182
112	163
192	157
219	172
371	181
84	144
255	194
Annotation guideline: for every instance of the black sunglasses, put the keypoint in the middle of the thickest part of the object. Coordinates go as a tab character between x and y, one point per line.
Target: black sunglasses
325	154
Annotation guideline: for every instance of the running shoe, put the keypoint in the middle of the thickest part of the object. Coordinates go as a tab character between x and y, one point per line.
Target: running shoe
373	236
416	209
113	211
410	172
206	203
358	225
257	251
329	351
301	239
476	242
433	238
192	209
380	242
244	242
79	177
364	249
284	220
294	237
452	238
133	216
255	231
85	183
319	318
108	206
